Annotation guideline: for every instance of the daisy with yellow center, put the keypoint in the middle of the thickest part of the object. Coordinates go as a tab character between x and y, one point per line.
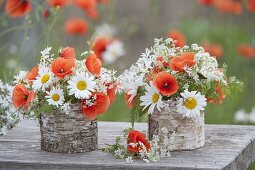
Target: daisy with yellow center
44	78
191	104
81	85
151	98
55	97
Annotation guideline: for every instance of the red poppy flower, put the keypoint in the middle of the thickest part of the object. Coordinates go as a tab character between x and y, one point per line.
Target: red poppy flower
251	6
17	8
92	13
22	97
67	53
213	49
93	64
111	92
246	50
179	62
165	83
206	2
58	3
62	67
76	26
128	102
85	4
99	46
178	36
136	137
101	105
228	6
32	75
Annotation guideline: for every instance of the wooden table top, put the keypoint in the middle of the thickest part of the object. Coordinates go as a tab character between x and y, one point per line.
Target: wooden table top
227	147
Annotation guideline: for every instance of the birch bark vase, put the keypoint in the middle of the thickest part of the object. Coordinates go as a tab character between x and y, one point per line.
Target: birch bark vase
187	133
68	133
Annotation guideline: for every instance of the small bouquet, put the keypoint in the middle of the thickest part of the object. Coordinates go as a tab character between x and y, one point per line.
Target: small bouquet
66	90
189	76
106	45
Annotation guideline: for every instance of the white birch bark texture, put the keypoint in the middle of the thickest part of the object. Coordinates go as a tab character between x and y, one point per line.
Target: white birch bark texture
185	133
68	133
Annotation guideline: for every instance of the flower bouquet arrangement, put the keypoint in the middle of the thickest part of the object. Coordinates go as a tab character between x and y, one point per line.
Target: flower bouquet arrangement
173	85
66	94
106	45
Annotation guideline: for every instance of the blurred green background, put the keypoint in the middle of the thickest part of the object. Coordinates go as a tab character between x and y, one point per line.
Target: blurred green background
137	22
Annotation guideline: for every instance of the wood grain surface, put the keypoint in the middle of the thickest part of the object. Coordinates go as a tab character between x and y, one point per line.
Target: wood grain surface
227	147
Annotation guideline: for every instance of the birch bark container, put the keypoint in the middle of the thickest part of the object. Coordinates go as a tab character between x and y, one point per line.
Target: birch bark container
187	133
68	133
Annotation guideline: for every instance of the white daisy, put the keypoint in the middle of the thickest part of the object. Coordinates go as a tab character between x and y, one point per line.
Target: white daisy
21	77
191	103
55	97
151	98
44	79
113	51
81	85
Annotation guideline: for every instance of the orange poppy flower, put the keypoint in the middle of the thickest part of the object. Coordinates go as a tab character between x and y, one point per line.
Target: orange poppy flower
101	105
93	64
99	46
178	36
179	62
22	97
76	26
32	75
213	49
111	92
67	53
251	6
137	137
62	67
228	6
246	50
206	2
85	4
58	3
165	83
17	8
130	103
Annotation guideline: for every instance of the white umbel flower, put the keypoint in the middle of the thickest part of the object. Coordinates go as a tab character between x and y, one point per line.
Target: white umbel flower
151	98
44	79
191	103
113	52
55	97
21	77
81	85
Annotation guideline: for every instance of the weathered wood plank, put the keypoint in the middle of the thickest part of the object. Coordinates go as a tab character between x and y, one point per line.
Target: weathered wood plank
230	147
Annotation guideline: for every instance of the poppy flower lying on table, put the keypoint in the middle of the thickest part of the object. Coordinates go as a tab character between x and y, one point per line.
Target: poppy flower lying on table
135	141
17	8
